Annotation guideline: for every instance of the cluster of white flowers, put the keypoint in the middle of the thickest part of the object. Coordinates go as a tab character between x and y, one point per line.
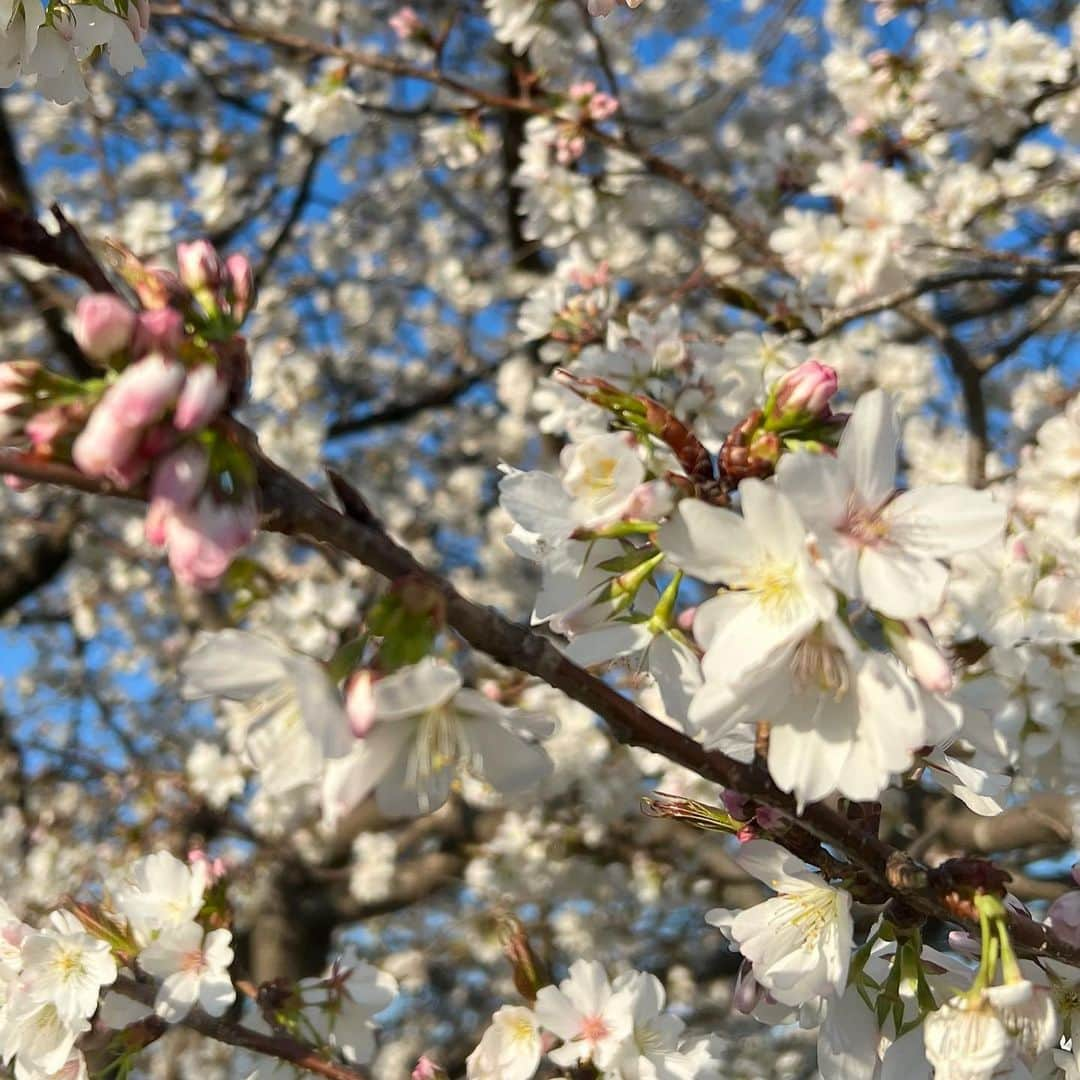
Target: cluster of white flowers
157	921
51	41
620	1027
407	736
822	561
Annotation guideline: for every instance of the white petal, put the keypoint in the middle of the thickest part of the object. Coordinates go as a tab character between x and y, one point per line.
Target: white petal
899	584
941	520
502	758
817	484
868	447
348	781
711	543
233	664
607	642
416	689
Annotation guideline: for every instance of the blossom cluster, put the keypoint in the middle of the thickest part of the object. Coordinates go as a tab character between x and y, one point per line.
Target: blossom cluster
52	41
406	736
171	369
620	1027
163	919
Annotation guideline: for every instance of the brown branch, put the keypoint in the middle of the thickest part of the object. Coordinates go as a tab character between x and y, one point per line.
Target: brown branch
282	1047
937	282
292	508
970	377
66	250
653	163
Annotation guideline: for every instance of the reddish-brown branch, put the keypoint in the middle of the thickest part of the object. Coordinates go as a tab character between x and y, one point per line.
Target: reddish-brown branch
294	509
282	1047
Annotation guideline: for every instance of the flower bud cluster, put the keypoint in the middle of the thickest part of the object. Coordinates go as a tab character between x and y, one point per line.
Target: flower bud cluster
172	368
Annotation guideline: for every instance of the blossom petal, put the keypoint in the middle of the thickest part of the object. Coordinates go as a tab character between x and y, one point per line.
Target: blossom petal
869	446
941	520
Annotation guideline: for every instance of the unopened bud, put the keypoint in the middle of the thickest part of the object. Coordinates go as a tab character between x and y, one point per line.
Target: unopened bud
240	281
160	330
104	325
360	703
45	428
406	23
200	265
801	397
202	398
915	645
426	1069
529	976
749	450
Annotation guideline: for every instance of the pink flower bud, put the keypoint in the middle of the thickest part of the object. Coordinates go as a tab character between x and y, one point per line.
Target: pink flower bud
160	330
145	390
802	396
603	107
200	265
360	703
582	91
105	445
649	501
203	540
201	399
426	1069
211	869
915	645
104	325
405	23
735	804
241	286
181	476
44	428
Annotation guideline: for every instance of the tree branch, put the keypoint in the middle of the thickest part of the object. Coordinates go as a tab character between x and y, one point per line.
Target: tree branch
282	1047
292	508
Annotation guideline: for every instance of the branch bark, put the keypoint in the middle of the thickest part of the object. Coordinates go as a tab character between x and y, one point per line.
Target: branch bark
282	1047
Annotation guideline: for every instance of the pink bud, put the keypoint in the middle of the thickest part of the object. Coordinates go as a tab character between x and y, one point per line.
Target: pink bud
649	501
44	428
915	645
203	540
735	804
360	703
211	869
104	325
685	619
241	286
145	389
180	477
200	265
105	445
602	106
201	399
426	1069
802	396
405	23
160	330
582	91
